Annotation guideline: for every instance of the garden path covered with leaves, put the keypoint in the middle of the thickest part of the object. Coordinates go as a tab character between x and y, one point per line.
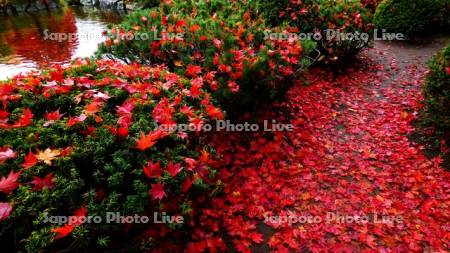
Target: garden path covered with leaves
350	154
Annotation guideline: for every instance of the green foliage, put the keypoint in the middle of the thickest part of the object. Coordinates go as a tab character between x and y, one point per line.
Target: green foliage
318	16
437	91
221	37
104	109
410	17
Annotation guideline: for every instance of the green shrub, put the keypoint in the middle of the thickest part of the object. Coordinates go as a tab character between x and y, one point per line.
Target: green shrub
410	17
84	141
318	16
437	91
221	39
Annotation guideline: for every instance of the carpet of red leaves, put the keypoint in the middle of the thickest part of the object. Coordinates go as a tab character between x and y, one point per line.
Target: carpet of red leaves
349	154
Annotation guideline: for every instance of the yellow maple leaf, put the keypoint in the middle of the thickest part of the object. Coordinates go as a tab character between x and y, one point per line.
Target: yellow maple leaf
48	155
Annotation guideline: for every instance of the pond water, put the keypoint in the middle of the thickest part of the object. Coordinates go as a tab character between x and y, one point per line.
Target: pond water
30	41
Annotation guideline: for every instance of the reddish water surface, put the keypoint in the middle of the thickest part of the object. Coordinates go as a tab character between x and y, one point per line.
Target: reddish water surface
31	41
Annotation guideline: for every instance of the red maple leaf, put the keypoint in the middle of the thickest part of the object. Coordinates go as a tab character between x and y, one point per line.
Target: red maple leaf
92	108
173	169
186	184
122	132
197	84
24	119
217	43
53	115
6	154
180	23
256	237
78	214
157	191
214	112
9	184
5	210
62	231
4	114
153	170
30	160
447	69
191	163
57	75
194	28
41	183
147	141
73	121
68	228
193	70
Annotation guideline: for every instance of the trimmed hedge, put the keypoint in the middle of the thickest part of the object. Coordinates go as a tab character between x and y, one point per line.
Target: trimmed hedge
82	141
411	17
437	91
221	39
316	16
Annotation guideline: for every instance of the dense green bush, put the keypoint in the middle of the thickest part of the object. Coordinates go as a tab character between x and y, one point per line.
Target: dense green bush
410	17
220	39
84	141
318	16
437	90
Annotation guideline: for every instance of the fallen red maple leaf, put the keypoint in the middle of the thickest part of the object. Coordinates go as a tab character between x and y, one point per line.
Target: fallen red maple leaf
186	185
6	154
62	231
193	70
191	163
41	183
9	184
5	210
30	160
24	119
78	214
173	169
147	141
153	170
214	112
51	117
92	108
157	191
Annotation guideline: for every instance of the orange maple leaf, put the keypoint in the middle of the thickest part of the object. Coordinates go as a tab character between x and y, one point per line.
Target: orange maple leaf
63	231
147	141
48	155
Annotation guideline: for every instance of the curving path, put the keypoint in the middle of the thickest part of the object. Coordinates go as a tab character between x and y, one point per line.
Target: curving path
348	156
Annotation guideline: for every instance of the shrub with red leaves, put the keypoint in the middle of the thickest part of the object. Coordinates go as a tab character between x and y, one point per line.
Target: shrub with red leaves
318	16
220	39
83	140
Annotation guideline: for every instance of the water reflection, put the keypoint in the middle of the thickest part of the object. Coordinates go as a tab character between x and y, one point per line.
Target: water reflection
22	43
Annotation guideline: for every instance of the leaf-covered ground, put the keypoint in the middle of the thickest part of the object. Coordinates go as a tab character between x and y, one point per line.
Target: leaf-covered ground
349	154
